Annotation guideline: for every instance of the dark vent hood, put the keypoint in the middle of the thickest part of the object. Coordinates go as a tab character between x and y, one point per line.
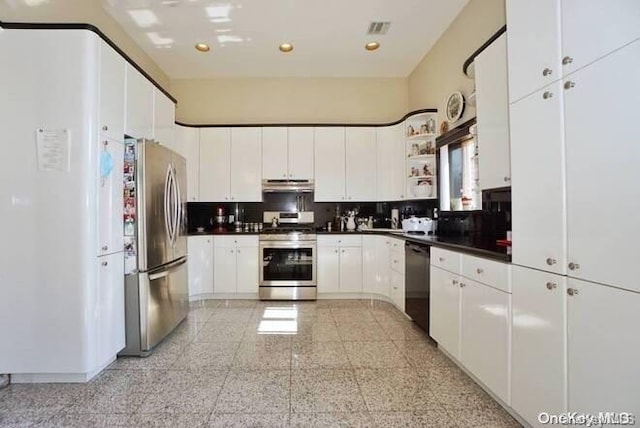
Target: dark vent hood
298	186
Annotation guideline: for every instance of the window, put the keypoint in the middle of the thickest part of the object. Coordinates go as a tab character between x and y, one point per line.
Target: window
459	180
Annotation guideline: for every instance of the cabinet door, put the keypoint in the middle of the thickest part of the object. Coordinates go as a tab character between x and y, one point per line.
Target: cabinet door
164	120
396	293
215	164
274	153
538	181
246	165
390	163
188	143
301	153
247	264
493	115
351	269
444	310
224	270
200	250
582	43
376	270
112	93
361	163
539	343
603	348
328	269
110	333
602	169
329	164
484	335
110	201
139	111
533	61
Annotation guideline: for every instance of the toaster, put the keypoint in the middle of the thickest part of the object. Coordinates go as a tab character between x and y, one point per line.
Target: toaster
419	225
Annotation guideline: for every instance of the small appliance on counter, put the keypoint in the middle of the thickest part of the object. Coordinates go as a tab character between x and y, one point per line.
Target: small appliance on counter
419	225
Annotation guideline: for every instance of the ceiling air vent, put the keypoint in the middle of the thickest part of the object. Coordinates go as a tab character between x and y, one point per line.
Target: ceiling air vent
379	27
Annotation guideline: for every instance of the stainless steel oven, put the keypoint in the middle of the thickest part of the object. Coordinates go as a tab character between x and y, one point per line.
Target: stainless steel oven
288	269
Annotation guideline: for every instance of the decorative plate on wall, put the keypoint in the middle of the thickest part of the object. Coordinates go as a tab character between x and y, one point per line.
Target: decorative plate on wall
455	106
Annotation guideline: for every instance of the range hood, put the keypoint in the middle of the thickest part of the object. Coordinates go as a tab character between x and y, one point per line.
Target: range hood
298	186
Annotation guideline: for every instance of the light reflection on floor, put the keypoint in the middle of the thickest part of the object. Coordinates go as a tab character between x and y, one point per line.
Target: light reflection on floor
279	320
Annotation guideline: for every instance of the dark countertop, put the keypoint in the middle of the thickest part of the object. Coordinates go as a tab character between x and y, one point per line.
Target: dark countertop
466	244
221	232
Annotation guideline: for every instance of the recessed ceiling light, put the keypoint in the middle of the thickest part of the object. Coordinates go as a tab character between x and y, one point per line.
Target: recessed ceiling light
372	46
286	47
202	47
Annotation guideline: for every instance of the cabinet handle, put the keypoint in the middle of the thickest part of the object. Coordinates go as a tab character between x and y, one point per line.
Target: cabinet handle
401	196
569	84
232	198
395	261
479	271
226	199
105	248
105	263
231	251
547	71
349	197
395	288
290	175
574	266
551	261
105	128
550	285
547	95
462	284
455	282
336	251
567	60
572	291
342	251
507	179
441	259
237	251
284	175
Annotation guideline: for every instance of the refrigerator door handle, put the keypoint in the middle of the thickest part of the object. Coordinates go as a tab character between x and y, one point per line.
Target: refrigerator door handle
167	196
178	220
155	276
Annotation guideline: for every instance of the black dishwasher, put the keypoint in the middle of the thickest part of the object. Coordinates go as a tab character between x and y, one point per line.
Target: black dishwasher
417	288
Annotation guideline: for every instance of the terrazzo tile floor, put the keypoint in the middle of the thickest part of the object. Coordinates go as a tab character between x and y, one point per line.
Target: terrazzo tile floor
239	363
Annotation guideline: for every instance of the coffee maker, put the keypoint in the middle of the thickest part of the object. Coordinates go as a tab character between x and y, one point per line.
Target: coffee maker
221	218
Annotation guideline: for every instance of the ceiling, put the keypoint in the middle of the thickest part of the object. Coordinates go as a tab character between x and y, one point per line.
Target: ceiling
328	36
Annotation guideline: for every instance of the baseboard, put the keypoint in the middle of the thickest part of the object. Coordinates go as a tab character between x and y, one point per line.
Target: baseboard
59	377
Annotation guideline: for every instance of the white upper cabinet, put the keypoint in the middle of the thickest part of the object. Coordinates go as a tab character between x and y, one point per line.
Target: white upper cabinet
603	154
301	142
361	162
603	348
112	93
565	37
538	180
533	61
593	28
493	115
274	153
188	144
164	119
139	105
246	164
329	164
390	183
215	164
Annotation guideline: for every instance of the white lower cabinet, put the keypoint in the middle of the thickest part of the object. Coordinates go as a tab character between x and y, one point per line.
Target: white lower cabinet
110	201
396	293
538	344
109	317
484	335
376	270
603	348
339	264
200	250
235	264
444	310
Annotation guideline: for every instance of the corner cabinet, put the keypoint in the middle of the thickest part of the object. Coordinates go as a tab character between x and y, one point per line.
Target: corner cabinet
420	151
391	183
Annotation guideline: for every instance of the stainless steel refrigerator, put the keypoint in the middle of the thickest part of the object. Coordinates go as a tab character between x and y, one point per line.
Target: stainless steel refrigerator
156	289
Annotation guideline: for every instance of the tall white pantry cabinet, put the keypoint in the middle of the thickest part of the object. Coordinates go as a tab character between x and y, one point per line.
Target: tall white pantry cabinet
61	260
575	178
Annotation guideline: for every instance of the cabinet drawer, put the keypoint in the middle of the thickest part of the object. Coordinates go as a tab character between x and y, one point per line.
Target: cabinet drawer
397	262
340	240
445	259
230	241
489	272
